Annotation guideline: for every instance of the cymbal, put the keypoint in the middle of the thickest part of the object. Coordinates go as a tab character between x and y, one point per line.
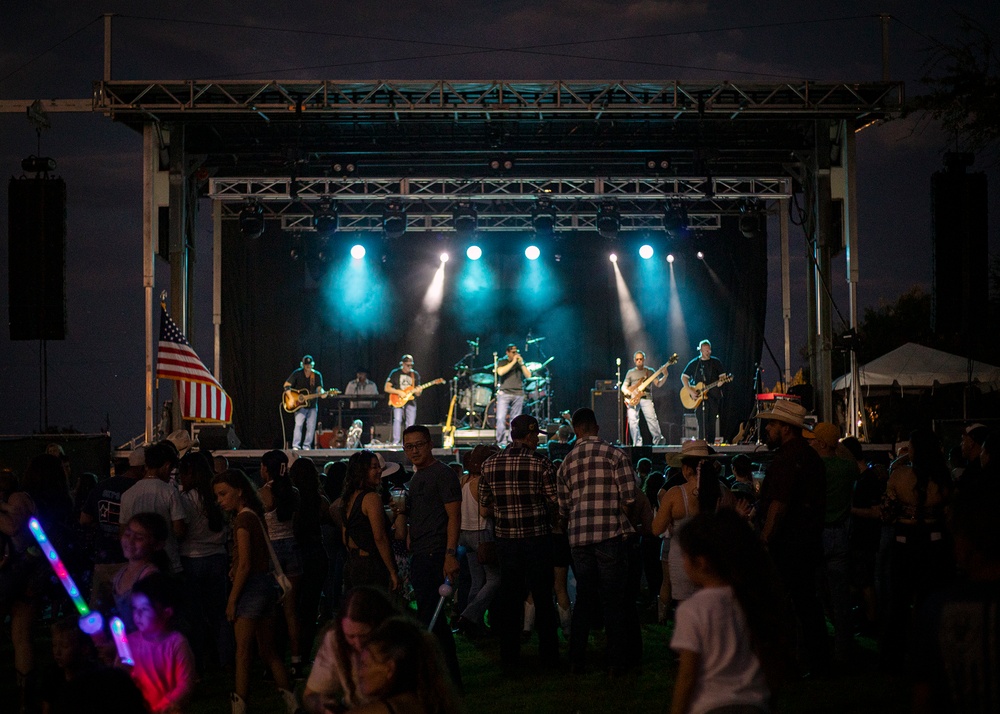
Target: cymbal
481	378
536	366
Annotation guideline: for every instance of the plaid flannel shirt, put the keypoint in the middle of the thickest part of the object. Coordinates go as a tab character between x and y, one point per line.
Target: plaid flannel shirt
595	484
519	483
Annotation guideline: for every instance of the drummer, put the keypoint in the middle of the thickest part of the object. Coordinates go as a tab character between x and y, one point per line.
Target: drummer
511	373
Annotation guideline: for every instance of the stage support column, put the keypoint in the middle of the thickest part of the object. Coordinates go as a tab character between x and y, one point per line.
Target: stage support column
786	290
179	244
150	240
821	303
848	191
217	286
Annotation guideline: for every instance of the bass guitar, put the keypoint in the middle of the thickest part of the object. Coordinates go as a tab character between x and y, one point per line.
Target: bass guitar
398	401
701	391
635	394
294	399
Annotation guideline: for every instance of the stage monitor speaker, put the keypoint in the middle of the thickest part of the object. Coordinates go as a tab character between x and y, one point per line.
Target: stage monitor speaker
689	428
383	433
605	406
217	437
437	435
36	221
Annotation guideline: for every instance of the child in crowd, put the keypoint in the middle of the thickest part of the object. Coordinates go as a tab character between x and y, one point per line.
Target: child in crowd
75	658
729	632
143	539
164	666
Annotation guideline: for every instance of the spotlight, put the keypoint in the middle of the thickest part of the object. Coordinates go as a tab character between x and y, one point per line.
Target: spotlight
394	220
701	256
608	220
252	220
656	164
532	252
38	164
675	220
646	252
670	258
325	219
501	164
358	251
543	218
474	252
464	219
444	257
613	258
750	220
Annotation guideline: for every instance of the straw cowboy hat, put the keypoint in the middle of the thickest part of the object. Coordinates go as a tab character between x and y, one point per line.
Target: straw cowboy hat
787	412
692	449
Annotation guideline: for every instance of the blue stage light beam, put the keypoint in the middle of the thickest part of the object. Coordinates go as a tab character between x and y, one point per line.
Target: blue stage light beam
357	295
477	295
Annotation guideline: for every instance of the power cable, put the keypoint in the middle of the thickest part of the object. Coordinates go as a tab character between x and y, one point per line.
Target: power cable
46	51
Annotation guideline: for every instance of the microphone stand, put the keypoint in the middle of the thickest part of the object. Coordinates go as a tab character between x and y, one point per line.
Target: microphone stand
618	388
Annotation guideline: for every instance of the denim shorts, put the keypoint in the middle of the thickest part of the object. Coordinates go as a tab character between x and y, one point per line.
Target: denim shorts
289	556
259	596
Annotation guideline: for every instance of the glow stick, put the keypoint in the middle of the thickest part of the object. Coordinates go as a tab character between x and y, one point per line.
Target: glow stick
90	622
444	591
121	641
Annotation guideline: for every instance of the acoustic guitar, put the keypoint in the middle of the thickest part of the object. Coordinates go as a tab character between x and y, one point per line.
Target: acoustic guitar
633	396
294	399
398	401
690	402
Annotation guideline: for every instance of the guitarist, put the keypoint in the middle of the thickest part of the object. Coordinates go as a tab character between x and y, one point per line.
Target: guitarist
398	381
308	379
633	378
705	369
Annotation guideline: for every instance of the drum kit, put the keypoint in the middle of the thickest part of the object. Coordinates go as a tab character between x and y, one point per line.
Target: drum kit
475	389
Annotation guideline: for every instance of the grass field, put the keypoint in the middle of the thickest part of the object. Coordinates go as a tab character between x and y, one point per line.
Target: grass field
560	692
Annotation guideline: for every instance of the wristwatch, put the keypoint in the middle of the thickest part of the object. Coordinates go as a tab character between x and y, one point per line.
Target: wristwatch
451	551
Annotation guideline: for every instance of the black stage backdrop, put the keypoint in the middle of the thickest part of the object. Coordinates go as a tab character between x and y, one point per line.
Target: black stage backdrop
274	311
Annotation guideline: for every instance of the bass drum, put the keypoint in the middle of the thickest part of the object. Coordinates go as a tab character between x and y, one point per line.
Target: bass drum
475	398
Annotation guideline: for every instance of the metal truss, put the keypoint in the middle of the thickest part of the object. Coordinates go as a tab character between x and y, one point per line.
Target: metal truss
273	99
489	189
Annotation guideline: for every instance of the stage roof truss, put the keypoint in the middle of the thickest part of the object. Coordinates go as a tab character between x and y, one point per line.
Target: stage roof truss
317	98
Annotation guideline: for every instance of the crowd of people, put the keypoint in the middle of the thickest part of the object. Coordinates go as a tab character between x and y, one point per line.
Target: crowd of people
333	580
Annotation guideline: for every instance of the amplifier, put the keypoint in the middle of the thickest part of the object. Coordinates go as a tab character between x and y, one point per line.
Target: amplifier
605	406
604	384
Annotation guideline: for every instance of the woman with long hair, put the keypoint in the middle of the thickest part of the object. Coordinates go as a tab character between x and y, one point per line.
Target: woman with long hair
401	669
731	634
254	591
281	508
475	530
366	528
916	498
204	560
331	682
314	511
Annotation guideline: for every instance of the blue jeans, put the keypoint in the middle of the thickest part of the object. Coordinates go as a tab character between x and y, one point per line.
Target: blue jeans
397	421
601	583
508	406
206	583
305	417
526	560
837	569
649	412
485	578
426	576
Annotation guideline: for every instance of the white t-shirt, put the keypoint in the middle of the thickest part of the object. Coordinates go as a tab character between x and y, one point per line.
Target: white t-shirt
200	540
154	496
711	623
329	678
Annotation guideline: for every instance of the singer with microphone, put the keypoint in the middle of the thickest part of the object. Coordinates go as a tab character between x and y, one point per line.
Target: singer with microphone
510	373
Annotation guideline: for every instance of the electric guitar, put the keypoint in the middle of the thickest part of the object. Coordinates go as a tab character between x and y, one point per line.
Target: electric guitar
633	396
690	402
448	432
398	401
294	399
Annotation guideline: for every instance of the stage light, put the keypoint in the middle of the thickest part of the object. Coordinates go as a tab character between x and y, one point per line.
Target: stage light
358	251
701	256
608	220
394	220
464	219
543	218
675	220
325	219
646	252
750	220
444	257
251	220
532	252
670	258
613	258
474	252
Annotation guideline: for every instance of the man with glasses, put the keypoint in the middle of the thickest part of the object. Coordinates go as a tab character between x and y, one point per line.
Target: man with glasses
435	521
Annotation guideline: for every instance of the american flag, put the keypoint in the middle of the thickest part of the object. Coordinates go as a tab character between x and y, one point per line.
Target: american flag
201	396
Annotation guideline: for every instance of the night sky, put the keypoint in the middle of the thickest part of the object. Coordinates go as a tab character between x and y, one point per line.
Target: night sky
96	374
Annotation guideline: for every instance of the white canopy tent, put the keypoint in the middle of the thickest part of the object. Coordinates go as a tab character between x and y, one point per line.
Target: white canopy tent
915	367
